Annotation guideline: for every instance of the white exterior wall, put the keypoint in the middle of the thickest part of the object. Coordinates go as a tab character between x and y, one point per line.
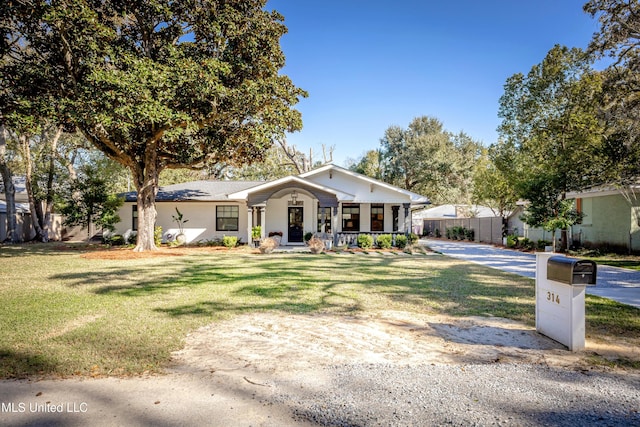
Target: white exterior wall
363	191
277	215
201	218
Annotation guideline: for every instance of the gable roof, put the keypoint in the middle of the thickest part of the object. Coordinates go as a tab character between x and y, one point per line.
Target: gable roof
414	197
289	180
210	191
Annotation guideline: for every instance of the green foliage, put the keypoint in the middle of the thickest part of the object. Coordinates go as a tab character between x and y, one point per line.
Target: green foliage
256	232
230	241
552	133
459	232
307	236
492	186
401	241
512	241
618	38
370	165
156	85
157	235
384	241
132	238
413	238
429	160
365	241
178	218
116	240
88	202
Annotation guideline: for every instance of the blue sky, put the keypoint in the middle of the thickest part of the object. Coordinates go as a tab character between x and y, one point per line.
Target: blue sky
368	65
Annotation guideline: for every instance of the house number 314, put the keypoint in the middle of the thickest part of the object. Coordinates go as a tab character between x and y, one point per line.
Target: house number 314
553	297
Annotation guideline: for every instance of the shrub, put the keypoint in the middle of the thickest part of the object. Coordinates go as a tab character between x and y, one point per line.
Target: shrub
413	238
307	236
157	235
542	244
230	241
401	241
365	241
116	240
512	241
469	234
316	245
268	245
384	241
437	233
449	233
133	238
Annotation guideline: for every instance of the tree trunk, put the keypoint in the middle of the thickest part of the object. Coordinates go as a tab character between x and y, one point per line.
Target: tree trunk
26	152
146	176
9	190
50	176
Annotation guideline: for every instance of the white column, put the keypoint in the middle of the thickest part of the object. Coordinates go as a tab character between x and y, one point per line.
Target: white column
263	221
249	224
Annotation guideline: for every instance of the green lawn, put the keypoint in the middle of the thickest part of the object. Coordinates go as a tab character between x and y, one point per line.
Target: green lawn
63	314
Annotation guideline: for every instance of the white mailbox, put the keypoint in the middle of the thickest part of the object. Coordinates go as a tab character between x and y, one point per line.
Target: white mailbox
560	291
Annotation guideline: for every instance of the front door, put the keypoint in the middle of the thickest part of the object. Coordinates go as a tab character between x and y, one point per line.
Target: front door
296	230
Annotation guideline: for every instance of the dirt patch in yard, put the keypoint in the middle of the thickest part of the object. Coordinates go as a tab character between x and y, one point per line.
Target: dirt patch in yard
260	345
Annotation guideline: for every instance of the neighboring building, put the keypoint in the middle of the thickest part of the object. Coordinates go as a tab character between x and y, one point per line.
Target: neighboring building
329	200
609	221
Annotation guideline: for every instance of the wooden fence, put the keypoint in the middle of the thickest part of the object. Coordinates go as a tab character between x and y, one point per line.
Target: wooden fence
486	230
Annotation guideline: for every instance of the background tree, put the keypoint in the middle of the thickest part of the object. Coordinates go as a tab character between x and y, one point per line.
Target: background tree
91	201
550	118
619	40
492	186
370	164
429	160
160	84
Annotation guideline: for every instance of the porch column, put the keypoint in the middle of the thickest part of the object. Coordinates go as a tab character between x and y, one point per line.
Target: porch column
263	221
407	218
249	224
334	225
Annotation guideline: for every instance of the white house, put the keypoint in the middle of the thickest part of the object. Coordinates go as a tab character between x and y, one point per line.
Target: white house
329	200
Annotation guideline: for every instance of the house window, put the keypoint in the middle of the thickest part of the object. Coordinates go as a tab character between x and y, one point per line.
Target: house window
134	217
351	217
227	218
377	217
324	220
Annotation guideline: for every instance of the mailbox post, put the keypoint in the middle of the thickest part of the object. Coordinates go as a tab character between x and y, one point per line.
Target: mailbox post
560	291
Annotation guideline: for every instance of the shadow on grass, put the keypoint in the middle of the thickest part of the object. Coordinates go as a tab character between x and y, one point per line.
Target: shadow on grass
18	364
304	283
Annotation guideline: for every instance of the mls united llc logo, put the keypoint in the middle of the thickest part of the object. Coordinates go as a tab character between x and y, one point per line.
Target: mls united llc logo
21	407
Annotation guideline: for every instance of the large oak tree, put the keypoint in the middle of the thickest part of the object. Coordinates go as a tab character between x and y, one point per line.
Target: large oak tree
156	84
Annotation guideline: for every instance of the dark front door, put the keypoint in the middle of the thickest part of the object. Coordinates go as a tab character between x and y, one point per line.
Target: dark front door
296	232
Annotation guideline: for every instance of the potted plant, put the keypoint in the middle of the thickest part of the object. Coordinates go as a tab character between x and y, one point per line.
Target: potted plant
256	234
181	238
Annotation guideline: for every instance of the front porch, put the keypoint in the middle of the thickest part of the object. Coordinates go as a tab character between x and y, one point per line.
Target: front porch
294	212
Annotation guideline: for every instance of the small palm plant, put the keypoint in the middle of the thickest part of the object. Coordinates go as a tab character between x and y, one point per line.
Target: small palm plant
179	219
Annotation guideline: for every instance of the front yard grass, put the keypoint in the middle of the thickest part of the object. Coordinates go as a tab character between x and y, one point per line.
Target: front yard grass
64	315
